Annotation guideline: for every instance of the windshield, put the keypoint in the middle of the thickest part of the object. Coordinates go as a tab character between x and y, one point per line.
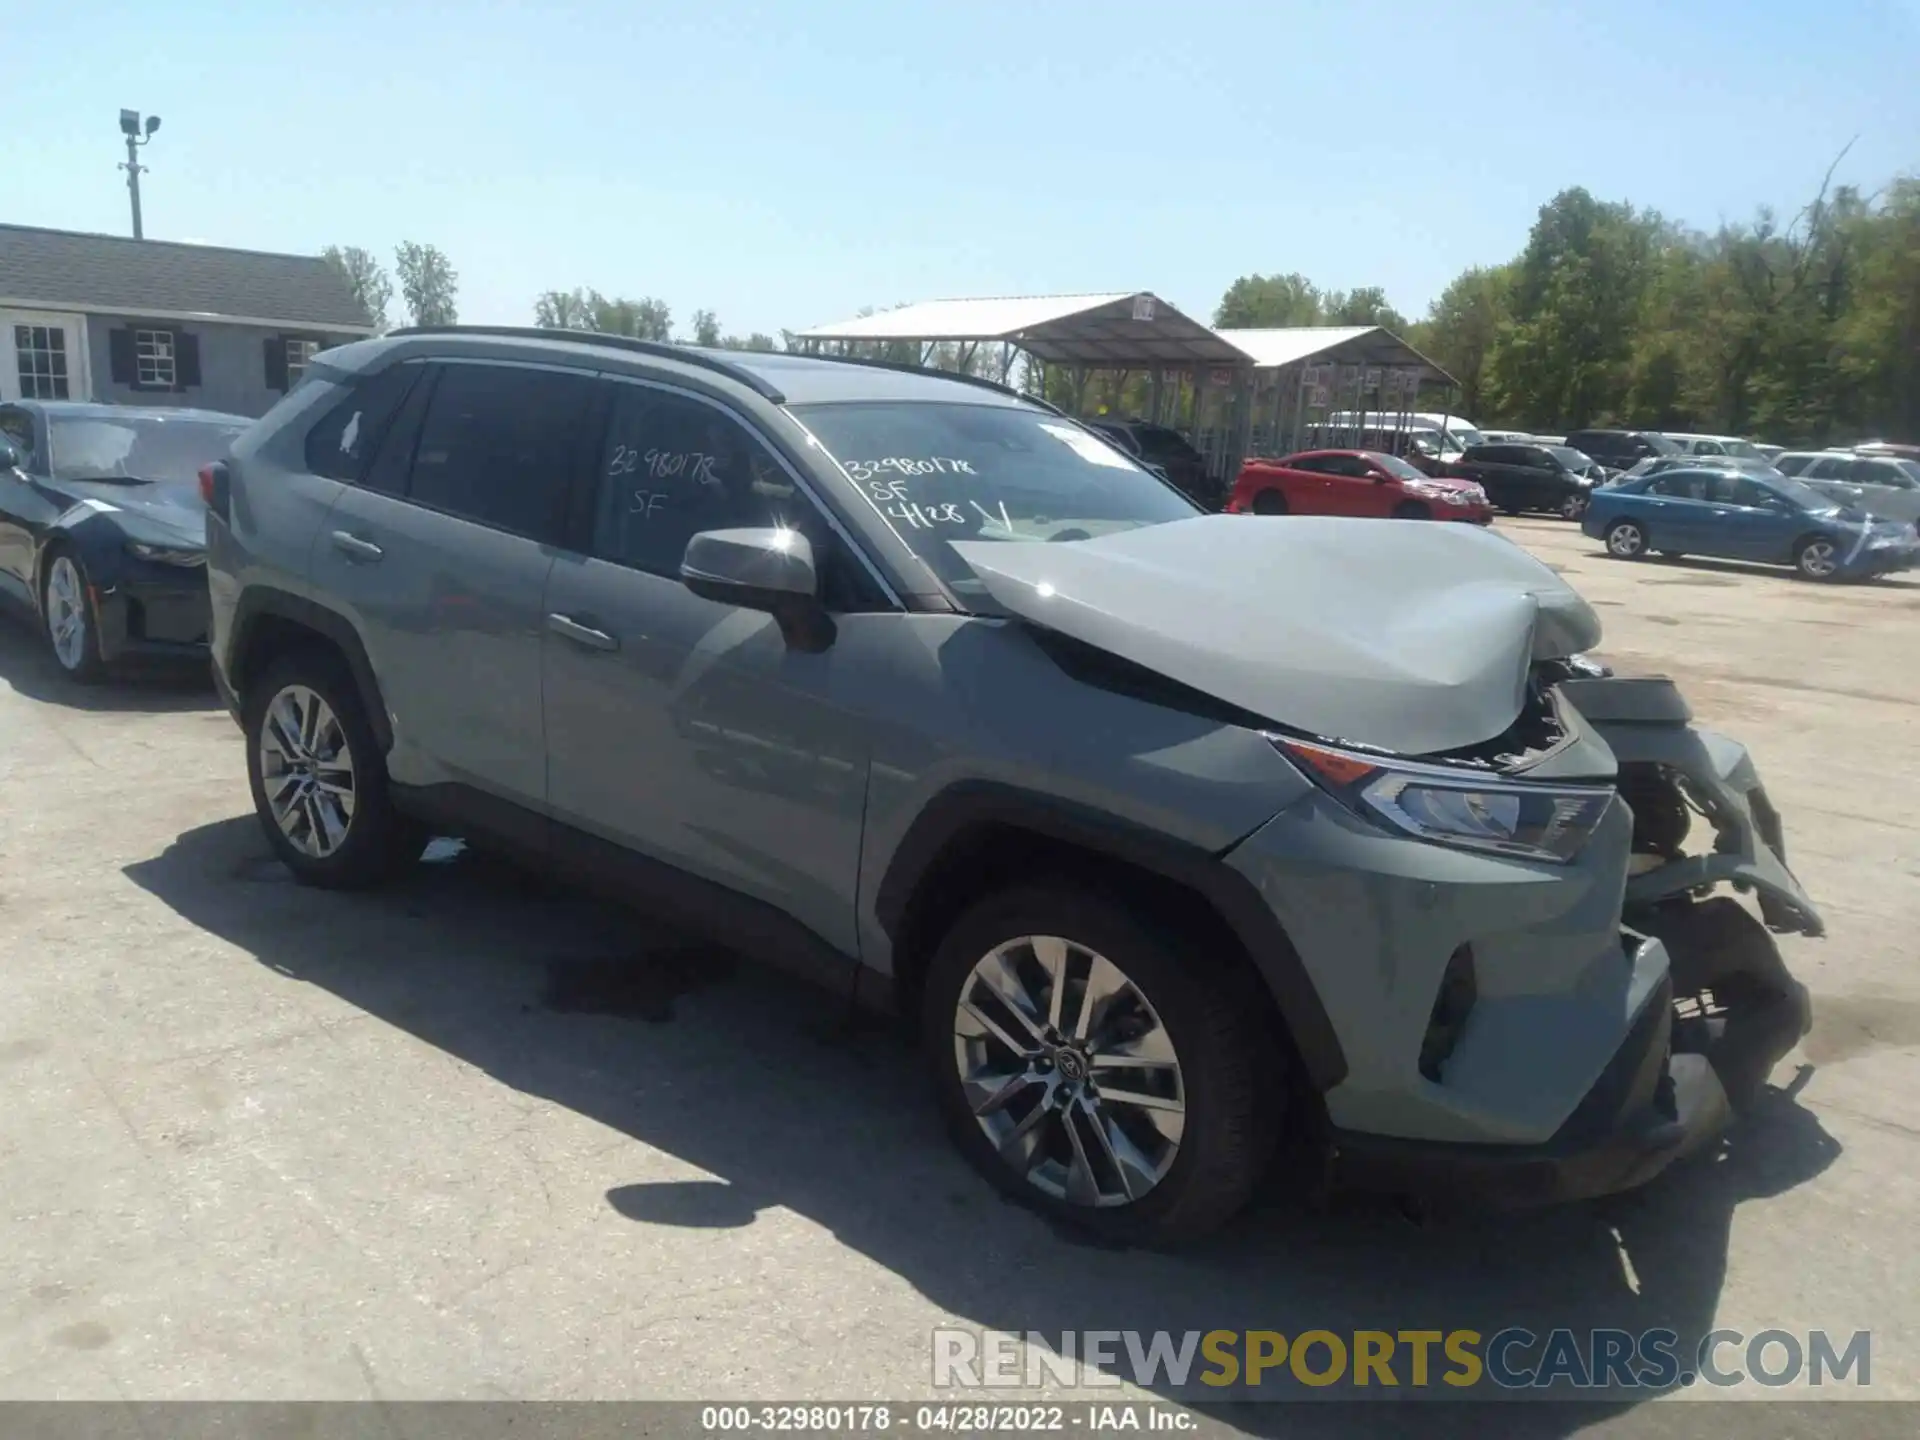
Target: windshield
1464	435
1660	445
135	447
1569	457
940	472
1803	494
1396	467
1740	449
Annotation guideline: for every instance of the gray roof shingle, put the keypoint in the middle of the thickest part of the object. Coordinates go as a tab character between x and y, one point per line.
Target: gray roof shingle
69	270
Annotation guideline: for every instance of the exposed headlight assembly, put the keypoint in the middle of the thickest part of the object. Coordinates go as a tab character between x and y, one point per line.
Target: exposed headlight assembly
1447	807
166	554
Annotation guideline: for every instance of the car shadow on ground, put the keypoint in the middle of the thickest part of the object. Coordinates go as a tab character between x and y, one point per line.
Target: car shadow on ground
144	687
791	1102
1712	571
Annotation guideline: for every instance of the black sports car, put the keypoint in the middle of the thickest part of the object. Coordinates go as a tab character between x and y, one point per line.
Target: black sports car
102	529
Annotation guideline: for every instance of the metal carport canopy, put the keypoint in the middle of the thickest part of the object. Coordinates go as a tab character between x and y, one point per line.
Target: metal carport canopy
1348	344
1130	330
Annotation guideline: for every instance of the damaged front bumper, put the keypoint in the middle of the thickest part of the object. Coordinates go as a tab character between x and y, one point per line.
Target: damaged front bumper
1619	1016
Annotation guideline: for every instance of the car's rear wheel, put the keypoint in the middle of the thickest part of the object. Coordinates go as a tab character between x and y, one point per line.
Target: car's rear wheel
1269	502
318	778
1817	558
1092	1069
1626	541
66	605
1411	510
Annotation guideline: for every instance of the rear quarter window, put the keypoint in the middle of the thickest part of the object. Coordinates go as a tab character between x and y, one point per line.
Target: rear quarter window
340	445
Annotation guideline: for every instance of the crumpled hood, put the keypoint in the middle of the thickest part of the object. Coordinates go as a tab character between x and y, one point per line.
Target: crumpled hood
159	511
1406	635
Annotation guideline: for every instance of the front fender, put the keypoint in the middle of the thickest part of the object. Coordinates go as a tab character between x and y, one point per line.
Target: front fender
1648	722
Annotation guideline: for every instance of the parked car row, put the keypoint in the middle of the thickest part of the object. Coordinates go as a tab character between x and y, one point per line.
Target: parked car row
917	687
1743	510
102	532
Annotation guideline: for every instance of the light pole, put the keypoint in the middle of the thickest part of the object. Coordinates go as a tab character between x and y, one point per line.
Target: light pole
130	126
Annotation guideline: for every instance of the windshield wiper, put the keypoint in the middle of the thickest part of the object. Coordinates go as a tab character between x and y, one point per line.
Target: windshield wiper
105	480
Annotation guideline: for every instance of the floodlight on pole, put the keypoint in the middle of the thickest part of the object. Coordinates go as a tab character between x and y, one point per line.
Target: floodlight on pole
137	135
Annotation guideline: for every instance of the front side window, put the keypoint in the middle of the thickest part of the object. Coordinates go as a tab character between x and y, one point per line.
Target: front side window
133	451
1680	485
153	359
40	352
17	426
1896	474
938	472
497	446
672	466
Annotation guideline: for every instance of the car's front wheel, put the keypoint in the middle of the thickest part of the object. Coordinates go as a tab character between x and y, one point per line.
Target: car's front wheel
67	608
1094	1070
1626	541
318	778
1574	506
1269	502
1817	558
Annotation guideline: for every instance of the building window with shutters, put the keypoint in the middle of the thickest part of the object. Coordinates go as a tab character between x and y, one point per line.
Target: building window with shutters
153	359
299	354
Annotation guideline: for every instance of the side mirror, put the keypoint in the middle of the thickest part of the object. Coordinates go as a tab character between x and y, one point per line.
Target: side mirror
762	569
10	456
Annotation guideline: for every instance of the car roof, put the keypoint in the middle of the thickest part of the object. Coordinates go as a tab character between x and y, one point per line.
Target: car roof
783	378
97	410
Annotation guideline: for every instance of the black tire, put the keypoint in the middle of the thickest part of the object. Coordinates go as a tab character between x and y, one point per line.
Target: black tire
1411	510
380	843
88	668
1573	507
1270	502
1233	1102
1627	540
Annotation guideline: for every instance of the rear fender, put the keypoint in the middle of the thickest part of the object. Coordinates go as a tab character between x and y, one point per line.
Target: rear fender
1648	722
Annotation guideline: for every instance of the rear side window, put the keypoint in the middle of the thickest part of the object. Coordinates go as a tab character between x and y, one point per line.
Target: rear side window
1680	485
499	445
347	436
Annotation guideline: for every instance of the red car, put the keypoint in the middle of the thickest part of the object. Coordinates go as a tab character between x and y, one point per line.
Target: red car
1354	482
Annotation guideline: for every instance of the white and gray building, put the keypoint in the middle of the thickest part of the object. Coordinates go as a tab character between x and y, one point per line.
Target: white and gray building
152	322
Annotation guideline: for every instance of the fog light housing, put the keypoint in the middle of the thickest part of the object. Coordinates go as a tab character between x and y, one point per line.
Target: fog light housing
1459	989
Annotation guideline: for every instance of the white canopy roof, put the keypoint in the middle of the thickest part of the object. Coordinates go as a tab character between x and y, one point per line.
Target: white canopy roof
1128	329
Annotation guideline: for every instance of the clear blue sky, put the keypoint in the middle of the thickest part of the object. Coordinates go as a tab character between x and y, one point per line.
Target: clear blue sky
786	164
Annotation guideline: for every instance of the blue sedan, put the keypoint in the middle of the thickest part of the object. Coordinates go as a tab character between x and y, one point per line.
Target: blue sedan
1744	515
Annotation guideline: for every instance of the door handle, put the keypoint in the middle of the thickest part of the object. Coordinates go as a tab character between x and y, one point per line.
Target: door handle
580	634
354	548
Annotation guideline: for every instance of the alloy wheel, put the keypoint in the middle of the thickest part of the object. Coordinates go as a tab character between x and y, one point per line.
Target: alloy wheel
67	614
1626	541
306	771
1069	1071
1818	560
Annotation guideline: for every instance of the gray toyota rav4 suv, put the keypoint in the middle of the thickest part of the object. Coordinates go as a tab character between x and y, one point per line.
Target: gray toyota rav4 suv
1193	846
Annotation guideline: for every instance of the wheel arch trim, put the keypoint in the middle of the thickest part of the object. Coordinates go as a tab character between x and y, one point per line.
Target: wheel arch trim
972	806
266	603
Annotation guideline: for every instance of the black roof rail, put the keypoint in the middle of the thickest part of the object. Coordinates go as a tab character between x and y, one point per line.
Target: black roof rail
657	348
906	367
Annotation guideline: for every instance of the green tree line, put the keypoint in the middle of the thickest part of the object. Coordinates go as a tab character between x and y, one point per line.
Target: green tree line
1802	333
